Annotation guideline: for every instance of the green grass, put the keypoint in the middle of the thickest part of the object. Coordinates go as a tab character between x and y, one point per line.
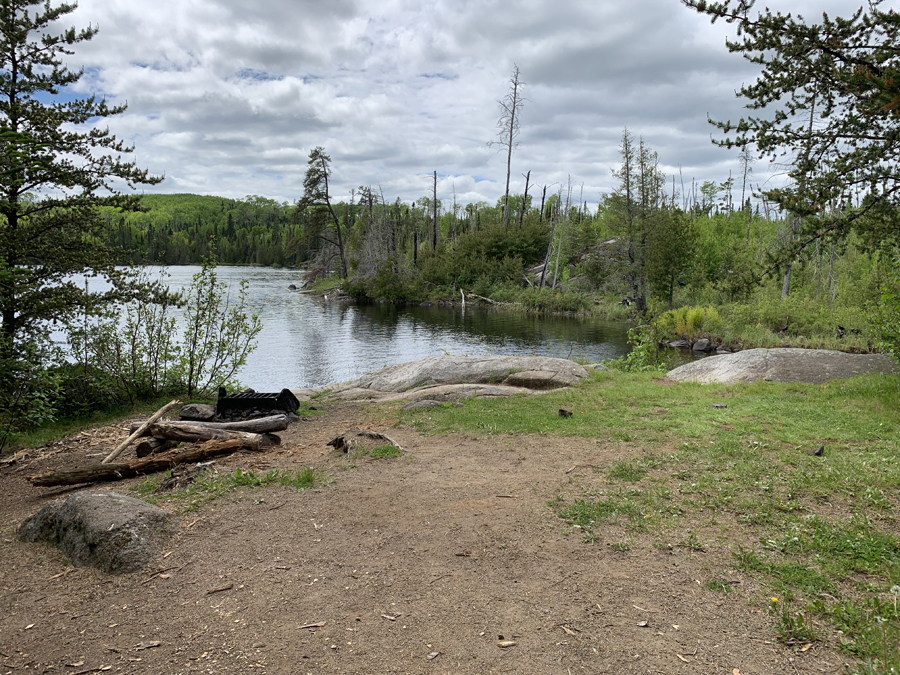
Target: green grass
818	533
211	485
384	452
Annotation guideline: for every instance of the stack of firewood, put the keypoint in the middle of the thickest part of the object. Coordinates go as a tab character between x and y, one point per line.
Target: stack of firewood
157	450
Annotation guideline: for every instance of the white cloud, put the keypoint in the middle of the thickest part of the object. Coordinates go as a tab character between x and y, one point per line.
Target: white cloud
228	97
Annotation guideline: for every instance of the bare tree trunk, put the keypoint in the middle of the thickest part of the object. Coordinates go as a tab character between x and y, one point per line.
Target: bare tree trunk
549	246
510	107
434	207
524	200
337	222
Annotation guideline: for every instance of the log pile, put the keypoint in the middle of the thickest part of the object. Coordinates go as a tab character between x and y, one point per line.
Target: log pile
157	451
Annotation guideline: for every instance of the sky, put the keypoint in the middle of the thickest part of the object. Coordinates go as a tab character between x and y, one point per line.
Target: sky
228	97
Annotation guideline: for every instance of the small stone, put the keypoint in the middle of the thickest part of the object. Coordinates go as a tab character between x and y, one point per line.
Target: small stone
702	345
565	413
816	452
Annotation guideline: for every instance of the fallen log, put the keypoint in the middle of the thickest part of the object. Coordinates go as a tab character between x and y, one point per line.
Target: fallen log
153	446
193	433
108	472
139	432
258	426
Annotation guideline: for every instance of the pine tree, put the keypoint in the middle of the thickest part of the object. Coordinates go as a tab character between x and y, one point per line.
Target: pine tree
55	175
828	99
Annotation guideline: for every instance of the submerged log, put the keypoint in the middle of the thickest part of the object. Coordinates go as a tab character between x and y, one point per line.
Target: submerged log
109	472
193	432
258	426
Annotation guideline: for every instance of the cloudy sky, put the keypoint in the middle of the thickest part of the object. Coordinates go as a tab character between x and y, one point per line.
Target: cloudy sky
227	97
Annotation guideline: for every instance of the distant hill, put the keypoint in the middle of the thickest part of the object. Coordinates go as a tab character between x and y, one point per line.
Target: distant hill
184	228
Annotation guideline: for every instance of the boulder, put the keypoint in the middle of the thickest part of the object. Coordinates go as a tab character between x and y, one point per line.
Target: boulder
112	532
546	372
812	366
198	412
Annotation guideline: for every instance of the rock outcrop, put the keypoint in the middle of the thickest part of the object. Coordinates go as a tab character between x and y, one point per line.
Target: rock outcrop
447	378
812	366
106	530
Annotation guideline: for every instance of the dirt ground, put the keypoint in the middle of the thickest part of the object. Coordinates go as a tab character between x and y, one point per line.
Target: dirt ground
425	563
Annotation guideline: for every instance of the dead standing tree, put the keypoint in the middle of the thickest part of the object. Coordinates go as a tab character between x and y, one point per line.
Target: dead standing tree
508	125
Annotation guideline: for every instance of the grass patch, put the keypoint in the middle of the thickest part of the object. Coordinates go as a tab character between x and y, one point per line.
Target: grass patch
819	533
384	452
211	485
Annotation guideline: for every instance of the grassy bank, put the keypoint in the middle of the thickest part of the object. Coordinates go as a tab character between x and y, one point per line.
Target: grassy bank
818	534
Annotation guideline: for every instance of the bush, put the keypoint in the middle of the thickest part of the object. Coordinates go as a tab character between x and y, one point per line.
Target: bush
27	387
690	322
137	347
886	319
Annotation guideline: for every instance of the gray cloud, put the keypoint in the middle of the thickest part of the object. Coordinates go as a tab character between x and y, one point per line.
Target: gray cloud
229	96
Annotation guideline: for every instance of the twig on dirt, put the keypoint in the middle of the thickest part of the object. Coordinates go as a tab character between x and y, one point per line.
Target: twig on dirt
507	496
226	587
275	508
443	576
93	670
156	574
314	625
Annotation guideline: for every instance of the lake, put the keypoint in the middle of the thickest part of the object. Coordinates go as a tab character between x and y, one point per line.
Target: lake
308	341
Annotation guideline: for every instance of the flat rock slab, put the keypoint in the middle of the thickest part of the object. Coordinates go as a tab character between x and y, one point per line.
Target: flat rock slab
452	378
811	366
106	530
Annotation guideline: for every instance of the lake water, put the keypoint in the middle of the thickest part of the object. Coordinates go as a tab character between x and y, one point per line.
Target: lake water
308	341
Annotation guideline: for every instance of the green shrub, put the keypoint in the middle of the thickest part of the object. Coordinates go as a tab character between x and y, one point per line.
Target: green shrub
690	322
887	316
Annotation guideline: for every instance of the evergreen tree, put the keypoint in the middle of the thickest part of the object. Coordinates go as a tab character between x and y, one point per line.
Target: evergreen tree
832	93
54	175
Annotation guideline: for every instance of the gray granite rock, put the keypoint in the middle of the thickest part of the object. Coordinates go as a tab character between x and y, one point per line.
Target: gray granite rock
106	530
812	366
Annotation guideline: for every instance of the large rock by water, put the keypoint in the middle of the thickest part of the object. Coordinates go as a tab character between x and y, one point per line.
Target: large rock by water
106	530
456	377
812	366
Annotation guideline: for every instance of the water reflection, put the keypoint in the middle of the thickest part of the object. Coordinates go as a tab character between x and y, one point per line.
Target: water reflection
307	341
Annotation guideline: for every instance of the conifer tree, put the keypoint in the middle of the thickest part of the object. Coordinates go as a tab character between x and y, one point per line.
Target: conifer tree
56	169
844	72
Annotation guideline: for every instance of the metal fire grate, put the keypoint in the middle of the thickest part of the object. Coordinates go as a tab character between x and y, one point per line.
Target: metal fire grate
252	401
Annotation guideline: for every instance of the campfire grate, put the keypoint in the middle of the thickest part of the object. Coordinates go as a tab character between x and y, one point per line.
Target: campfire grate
231	404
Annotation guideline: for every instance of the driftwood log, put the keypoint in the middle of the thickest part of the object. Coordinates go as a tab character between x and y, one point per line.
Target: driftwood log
193	432
257	426
109	472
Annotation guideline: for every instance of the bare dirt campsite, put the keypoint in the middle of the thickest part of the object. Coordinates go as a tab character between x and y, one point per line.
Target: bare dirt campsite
449	558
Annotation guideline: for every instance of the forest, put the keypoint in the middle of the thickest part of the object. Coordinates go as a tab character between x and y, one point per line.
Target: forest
650	246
